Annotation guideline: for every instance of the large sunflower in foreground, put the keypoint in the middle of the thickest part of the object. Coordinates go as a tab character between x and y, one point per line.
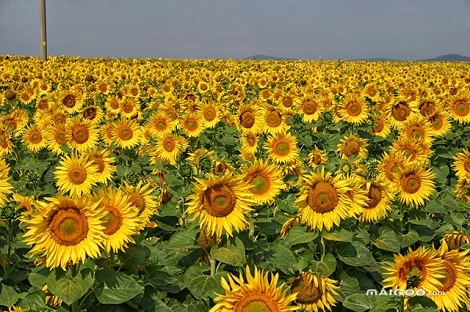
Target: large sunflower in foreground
260	293
456	281
419	269
65	230
323	201
221	203
415	184
121	221
265	180
314	292
76	174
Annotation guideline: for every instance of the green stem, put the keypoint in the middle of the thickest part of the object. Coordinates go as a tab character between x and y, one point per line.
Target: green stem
9	239
74	270
323	249
402	304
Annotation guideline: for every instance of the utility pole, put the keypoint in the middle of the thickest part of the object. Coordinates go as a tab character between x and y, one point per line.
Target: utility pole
42	29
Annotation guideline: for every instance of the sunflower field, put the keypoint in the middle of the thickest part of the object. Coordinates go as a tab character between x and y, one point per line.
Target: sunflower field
225	185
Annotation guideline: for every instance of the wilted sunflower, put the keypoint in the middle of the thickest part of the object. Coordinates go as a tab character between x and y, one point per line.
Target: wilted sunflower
456	280
314	293
265	180
34	138
415	184
323	201
419	269
378	204
65	230
282	148
455	239
353	146
220	203
142	200
259	293
104	162
354	109
75	174
126	133
461	164
56	136
121	221
82	135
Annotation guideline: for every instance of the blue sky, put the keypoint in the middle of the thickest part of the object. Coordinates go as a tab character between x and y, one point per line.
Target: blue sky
299	29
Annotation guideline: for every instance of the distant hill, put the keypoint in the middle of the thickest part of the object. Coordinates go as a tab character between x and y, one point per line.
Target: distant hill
449	58
442	58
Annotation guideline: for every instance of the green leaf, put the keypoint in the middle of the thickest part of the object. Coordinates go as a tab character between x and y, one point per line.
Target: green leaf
425	234
287	204
339	235
233	254
348	285
299	235
359	302
38	277
408	239
387	240
184	239
116	287
134	255
443	152
9	296
67	287
324	267
35	301
422	303
283	258
203	286
441	174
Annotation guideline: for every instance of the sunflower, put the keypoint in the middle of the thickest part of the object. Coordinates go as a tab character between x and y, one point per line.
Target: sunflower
414	151
70	100
129	107
167	148
259	293
112	104
461	164
462	189
415	184
428	106
380	127
160	124
323	201
93	113
308	107
459	107
107	133
400	110
76	174
26	202
6	145
265	180
440	123
210	114
273	120
455	239
34	138
353	146
378	205
282	148
126	133
192	125
220	203
391	165
354	109
142	200
250	118
419	269
456	280
15	122
56	136
65	230
104	162
249	143
82	135
121	221
317	157
5	188
314	293
417	129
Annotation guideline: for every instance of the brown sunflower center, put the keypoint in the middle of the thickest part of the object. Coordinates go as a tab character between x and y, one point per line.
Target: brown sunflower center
287	101
209	113
125	133
161	124
114	104
35	137
191	124
378	125
112	220
401	111
77	175
427	108
351	147
60	137
4	137
169	144
137	200
247	119
309	107
393	168
410	182
260	183
353	108
80	134
316	158
99	162
60	119
416	132
251	140
436	122
219	200
256	302
322	197
307	292
127	108
375	196
281	148
68	226
69	101
89	113
461	108
273	118
10	123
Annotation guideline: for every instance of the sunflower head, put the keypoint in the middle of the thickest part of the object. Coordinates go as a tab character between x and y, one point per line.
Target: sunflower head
314	292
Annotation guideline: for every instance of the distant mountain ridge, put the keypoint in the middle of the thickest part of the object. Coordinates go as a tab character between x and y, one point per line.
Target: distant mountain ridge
442	58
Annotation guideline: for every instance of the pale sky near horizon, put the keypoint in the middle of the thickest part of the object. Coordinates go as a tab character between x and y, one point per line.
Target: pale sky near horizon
298	29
